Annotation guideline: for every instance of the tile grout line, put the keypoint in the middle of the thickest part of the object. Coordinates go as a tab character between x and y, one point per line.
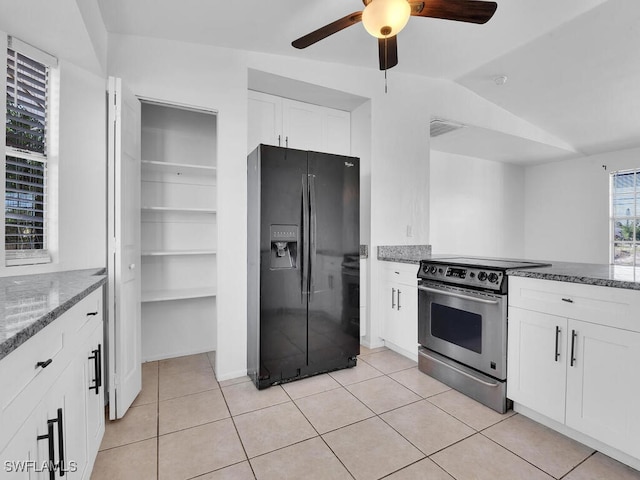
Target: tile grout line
514	453
316	430
235	427
580	463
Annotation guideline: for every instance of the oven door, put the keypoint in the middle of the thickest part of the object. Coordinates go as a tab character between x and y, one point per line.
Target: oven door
467	326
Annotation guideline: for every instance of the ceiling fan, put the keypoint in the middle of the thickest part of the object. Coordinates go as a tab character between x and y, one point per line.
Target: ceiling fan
385	18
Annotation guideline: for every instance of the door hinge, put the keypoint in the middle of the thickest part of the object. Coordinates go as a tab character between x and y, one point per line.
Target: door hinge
116	380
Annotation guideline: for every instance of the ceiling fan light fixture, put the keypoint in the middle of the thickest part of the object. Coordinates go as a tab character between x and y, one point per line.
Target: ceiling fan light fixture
385	18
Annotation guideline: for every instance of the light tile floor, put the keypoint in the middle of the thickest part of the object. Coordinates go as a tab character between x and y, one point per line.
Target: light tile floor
382	418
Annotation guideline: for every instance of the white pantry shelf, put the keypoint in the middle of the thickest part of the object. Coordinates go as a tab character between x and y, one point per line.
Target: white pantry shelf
178	209
178	294
163	253
178	168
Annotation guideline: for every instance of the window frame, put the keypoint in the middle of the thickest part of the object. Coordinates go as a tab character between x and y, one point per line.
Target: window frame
631	219
19	257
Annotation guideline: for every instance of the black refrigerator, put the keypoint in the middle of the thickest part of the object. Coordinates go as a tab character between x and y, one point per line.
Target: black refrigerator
303	264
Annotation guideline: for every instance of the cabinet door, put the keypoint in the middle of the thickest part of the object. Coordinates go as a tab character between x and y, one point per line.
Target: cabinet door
265	120
537	358
389	302
66	403
302	125
603	385
336	132
20	457
407	318
94	398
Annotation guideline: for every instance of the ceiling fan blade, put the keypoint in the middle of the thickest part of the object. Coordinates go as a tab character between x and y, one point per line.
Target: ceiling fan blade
472	11
324	32
388	52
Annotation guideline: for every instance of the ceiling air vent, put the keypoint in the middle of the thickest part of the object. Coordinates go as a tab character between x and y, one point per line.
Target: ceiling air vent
441	126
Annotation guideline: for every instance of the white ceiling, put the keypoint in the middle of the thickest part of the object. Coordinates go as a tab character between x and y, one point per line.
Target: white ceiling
573	65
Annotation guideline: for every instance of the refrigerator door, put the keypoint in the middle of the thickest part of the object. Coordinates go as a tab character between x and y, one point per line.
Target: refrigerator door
334	261
283	285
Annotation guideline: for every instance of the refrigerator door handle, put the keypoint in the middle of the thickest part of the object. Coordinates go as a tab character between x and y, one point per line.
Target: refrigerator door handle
312	232
304	274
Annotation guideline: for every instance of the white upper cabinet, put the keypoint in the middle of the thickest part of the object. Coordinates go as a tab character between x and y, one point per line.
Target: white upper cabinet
288	123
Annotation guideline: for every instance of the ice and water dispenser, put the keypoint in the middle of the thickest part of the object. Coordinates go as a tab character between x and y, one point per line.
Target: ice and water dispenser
284	246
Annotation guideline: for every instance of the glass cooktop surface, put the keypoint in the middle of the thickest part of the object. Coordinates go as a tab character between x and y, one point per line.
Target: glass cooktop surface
499	263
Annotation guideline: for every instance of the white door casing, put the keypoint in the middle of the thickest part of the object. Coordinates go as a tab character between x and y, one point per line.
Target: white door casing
125	351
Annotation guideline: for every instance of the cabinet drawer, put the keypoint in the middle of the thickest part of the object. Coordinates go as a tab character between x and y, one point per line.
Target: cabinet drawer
86	314
614	307
403	273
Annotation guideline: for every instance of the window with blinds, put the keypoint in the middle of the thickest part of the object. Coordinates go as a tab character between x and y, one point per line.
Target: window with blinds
26	154
625	217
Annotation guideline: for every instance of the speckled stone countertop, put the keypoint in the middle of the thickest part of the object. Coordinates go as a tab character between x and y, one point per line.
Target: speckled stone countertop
404	253
28	303
617	276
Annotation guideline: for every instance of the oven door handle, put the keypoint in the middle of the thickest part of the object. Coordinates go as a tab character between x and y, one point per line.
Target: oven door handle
458	295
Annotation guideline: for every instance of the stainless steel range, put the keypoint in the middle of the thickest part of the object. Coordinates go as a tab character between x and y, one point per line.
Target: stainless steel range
462	325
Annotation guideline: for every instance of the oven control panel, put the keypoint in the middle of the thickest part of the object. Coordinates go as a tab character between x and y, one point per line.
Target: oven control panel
474	277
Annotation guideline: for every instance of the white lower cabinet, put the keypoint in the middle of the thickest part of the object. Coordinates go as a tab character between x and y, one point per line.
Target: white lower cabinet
399	304
67	424
603	385
580	374
535	376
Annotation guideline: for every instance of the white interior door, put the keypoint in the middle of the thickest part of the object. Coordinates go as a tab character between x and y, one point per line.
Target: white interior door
125	351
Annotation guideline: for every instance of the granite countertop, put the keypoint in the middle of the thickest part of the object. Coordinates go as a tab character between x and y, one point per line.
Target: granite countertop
617	276
404	253
28	303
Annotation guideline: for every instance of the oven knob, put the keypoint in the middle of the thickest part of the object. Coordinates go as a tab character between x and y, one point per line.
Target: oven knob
434	269
493	277
482	276
425	268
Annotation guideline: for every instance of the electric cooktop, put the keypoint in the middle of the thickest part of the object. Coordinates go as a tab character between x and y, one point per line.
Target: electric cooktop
497	263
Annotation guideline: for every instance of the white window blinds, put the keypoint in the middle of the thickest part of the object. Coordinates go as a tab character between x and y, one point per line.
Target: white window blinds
625	217
26	153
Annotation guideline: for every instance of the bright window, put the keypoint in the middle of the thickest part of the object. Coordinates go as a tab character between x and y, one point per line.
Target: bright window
625	217
26	154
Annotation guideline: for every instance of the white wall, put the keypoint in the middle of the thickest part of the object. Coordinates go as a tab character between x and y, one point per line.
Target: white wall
567	207
477	206
78	175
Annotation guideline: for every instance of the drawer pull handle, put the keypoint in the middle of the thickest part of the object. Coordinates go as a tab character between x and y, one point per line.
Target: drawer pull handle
49	438
574	335
97	369
60	441
92	314
568	300
44	364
